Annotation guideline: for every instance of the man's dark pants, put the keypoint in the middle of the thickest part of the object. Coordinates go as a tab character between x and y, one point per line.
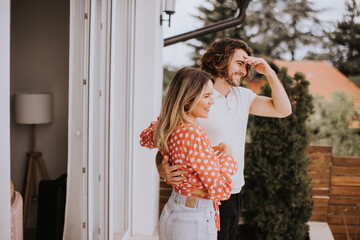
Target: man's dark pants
229	217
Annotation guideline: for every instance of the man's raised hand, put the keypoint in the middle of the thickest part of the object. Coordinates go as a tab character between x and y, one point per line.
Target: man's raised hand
259	64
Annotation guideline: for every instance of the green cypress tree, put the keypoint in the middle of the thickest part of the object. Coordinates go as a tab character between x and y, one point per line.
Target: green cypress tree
277	190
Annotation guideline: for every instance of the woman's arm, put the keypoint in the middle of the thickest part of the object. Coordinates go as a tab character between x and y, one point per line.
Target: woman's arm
172	174
147	136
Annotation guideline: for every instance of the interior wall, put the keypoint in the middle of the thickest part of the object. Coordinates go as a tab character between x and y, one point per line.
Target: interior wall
40	63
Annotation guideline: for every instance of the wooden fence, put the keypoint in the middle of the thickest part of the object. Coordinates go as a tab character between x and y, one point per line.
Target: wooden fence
335	191
343	208
319	171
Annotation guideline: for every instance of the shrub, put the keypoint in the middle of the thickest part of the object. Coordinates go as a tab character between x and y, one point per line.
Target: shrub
277	190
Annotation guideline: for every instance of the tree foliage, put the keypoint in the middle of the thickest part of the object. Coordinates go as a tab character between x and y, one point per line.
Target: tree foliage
169	73
273	28
355	79
331	124
277	186
346	40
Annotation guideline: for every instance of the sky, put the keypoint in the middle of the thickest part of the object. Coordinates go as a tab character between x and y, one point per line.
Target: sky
178	55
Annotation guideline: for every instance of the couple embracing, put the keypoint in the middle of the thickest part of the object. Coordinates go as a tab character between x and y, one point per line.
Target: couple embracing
200	134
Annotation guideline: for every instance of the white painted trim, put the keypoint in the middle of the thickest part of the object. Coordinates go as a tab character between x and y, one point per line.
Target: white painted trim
5	221
121	85
98	106
75	215
107	28
94	121
85	118
130	111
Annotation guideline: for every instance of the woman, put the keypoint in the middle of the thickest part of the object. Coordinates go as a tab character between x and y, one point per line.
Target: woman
192	209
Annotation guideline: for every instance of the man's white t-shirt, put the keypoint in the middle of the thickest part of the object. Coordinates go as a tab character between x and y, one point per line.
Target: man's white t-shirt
227	123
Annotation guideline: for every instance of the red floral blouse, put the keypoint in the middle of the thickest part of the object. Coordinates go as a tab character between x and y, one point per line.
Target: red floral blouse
190	147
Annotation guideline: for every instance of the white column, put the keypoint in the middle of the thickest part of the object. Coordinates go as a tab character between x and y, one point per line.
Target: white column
5	220
147	101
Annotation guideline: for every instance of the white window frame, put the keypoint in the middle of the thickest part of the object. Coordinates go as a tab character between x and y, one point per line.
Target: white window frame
121	122
131	76
97	104
5	225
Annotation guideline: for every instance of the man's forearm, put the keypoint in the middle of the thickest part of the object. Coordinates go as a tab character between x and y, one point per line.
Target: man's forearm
280	99
172	174
158	159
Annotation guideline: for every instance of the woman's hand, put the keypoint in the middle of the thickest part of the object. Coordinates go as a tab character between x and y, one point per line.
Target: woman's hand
223	148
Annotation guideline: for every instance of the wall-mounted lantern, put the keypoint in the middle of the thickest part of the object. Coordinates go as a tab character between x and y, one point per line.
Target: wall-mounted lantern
169	10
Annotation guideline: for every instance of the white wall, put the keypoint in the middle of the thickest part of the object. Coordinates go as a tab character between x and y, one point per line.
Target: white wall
4	119
39	63
147	101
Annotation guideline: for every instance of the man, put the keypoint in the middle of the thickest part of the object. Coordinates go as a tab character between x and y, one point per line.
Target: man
230	62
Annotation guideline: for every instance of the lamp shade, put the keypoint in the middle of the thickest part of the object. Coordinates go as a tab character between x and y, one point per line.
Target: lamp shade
33	108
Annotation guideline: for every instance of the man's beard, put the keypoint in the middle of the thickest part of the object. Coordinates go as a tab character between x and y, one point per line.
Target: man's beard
231	82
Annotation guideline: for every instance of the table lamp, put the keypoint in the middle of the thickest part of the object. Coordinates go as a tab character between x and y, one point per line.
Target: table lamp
33	108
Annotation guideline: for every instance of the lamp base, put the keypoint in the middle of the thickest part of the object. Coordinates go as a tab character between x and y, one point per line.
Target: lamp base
33	157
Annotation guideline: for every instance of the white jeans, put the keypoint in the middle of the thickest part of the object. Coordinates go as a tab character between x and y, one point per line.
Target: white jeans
178	221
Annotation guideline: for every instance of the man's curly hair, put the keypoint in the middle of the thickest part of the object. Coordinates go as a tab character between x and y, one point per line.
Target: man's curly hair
217	58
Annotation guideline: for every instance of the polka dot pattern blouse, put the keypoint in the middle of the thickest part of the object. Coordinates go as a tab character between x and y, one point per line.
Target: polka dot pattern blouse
190	147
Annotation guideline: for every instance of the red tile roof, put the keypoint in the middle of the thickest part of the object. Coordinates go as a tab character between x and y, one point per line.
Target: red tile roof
255	85
324	79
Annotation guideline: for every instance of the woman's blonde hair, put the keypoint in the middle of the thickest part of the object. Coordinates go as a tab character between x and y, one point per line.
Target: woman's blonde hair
182	97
